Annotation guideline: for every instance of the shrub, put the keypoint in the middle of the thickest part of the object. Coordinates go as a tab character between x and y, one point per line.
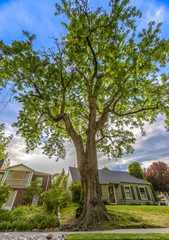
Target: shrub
25	218
4	193
32	190
56	197
106	202
4	215
75	189
5	225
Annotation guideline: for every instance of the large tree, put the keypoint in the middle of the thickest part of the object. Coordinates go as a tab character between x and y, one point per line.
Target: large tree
158	175
103	77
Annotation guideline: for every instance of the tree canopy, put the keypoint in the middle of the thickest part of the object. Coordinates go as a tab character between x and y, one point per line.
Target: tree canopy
158	175
103	56
102	80
135	169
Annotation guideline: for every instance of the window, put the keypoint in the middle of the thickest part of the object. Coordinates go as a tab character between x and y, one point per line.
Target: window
128	193
143	193
40	180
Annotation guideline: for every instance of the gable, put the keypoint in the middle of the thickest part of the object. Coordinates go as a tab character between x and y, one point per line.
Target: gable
20	167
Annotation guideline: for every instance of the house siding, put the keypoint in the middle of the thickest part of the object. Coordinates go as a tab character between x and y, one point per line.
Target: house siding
136	199
120	195
69	182
104	191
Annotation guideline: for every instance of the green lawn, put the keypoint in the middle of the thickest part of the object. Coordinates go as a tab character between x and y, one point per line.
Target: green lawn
157	216
126	216
92	236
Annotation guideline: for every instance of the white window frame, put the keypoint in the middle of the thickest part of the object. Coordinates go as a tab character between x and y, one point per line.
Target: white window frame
126	186
39	179
146	198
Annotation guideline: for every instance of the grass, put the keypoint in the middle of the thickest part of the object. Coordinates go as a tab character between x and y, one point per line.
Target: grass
126	216
155	216
94	236
68	213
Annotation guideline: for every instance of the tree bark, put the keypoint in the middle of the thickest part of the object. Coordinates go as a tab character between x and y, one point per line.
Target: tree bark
93	207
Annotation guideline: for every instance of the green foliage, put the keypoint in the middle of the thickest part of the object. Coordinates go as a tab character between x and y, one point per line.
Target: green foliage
80	208
104	64
4	141
76	189
27	218
4	193
76	197
56	197
4	215
105	168
32	190
155	193
135	169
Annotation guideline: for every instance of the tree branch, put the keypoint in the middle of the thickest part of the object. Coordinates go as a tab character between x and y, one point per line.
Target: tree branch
133	112
55	119
82	74
77	139
95	63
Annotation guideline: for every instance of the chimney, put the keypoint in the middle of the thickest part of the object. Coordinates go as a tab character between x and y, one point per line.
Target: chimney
2	164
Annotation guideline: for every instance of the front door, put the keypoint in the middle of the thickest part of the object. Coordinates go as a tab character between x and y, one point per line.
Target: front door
111	194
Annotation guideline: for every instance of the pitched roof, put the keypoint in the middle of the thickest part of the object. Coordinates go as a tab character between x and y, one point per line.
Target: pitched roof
21	164
108	176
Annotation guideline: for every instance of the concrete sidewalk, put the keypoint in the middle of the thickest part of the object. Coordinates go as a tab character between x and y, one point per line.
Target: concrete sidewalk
121	231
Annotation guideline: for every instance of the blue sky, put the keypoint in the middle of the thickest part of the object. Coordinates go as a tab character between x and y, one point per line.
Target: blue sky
37	16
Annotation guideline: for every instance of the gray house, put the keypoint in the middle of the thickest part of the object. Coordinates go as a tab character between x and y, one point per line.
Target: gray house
118	187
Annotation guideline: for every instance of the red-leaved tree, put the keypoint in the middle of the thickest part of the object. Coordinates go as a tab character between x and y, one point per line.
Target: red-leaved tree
158	175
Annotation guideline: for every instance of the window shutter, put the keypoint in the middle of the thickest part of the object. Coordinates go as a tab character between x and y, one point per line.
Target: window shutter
138	193
132	190
122	191
147	192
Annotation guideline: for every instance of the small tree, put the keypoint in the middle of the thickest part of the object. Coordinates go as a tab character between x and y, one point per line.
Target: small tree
158	175
56	197
135	169
4	193
32	190
76	190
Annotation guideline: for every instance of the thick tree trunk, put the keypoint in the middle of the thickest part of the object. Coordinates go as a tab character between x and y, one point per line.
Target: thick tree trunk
93	207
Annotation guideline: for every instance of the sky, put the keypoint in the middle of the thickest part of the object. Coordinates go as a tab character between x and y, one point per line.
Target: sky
37	16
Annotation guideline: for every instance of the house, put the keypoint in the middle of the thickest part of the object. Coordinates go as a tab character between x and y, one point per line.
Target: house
19	177
118	187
